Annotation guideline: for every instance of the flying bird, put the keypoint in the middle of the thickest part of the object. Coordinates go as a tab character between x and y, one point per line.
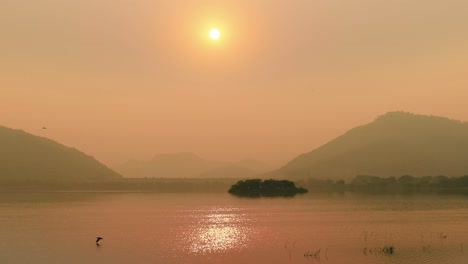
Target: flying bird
97	240
44	127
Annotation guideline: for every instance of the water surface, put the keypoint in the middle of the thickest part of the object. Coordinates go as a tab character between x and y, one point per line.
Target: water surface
220	228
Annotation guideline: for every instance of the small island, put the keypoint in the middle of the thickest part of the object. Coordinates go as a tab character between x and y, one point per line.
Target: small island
266	188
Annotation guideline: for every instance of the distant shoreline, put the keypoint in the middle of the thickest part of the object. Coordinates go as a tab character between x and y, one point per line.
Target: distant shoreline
124	185
360	184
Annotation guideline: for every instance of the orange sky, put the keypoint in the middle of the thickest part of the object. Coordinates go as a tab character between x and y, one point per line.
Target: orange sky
127	79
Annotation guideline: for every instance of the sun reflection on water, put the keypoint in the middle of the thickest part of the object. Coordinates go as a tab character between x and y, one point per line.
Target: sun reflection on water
217	230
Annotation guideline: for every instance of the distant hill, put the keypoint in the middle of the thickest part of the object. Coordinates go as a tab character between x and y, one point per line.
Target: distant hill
177	165
395	144
27	157
254	165
230	171
189	165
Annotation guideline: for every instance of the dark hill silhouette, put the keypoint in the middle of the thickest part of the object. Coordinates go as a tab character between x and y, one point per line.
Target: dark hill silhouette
395	144
189	165
27	157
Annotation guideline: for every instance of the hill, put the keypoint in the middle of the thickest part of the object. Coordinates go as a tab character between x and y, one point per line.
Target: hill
253	165
189	165
230	171
395	144
176	165
27	157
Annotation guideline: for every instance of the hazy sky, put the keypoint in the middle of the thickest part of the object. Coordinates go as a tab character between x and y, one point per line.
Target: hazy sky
127	79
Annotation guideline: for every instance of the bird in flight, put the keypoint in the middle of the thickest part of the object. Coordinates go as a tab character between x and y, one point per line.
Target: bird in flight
44	127
97	240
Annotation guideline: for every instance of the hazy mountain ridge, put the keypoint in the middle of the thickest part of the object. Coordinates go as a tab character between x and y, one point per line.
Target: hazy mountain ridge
189	165
395	144
24	156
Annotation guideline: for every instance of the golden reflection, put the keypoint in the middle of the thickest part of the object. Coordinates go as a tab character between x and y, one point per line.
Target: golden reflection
219	230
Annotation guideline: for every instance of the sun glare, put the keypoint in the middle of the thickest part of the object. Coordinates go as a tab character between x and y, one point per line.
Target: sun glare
214	33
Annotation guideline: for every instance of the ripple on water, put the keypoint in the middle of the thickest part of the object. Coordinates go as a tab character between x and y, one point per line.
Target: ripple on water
216	230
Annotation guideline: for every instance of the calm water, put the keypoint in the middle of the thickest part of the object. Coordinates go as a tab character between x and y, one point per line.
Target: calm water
218	228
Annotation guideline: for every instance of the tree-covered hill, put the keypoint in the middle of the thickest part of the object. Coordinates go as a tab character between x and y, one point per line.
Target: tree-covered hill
395	144
25	157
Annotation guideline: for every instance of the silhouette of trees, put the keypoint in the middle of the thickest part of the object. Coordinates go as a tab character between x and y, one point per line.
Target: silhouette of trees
402	184
267	188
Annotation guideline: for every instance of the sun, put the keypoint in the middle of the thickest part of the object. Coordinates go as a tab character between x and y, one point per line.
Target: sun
214	33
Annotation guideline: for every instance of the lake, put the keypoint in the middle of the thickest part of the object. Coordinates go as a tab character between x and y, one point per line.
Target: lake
220	228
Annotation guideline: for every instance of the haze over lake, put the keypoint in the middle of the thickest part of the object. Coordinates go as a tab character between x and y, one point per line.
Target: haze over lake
128	79
135	121
220	228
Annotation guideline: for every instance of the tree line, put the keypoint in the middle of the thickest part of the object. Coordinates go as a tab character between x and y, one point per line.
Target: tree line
405	183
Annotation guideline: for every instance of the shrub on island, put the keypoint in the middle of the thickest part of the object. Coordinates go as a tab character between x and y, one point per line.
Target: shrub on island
266	188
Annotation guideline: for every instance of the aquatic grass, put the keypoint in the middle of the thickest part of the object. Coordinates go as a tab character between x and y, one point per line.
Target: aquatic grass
290	247
390	250
387	250
426	247
315	254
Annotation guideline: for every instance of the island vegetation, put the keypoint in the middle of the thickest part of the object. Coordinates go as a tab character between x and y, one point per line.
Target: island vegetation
266	188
